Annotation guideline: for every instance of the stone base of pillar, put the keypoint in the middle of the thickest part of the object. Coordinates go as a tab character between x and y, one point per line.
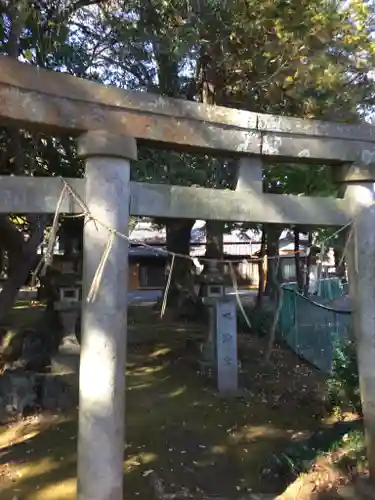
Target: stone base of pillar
68	316
206	362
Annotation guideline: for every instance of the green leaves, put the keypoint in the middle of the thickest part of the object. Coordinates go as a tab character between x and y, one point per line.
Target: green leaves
293	57
28	55
343	384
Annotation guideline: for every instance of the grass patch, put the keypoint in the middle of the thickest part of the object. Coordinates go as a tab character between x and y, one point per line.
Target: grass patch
341	465
349	454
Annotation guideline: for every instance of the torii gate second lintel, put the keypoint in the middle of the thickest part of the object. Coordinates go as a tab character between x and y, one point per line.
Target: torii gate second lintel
41	194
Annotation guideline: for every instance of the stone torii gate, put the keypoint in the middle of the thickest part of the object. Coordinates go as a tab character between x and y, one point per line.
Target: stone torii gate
109	123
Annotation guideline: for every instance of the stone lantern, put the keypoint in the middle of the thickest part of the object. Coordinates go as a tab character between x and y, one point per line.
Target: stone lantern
69	303
212	290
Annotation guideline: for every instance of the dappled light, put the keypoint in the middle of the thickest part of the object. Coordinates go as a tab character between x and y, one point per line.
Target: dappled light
219	449
160	352
145	371
249	434
177	392
178	431
139	386
139	459
61	489
26	429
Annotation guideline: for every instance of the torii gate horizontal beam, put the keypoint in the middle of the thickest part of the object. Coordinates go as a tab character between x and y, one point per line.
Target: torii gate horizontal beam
41	194
57	103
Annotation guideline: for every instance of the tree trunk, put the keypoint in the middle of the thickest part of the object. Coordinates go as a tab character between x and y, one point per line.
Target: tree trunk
279	302
339	255
214	246
297	261
308	264
262	275
18	274
339	263
214	239
214	243
273	267
181	290
274	278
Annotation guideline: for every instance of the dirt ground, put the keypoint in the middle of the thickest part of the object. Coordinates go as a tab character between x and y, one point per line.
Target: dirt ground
181	437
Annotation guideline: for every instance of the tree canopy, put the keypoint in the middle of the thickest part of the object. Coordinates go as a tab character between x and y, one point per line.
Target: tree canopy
301	58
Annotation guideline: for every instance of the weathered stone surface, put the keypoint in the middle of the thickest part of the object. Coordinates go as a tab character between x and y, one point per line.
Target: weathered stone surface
59	115
307	148
26	77
17	392
317	128
226	345
36	355
104	332
69	318
226	205
31	348
40	195
361	272
103	143
59	103
26	349
250	174
24	391
66	364
56	393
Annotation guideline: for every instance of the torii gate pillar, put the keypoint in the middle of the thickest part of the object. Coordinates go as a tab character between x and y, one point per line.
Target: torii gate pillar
104	319
359	193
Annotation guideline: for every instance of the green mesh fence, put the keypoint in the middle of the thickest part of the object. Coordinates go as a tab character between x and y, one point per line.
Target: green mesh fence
312	326
328	289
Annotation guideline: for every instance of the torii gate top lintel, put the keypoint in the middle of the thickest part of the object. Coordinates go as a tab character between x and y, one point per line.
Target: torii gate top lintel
54	102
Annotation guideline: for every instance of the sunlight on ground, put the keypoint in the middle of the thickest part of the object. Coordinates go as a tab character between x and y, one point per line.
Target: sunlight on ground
26	429
62	490
177	428
36	468
160	352
219	450
252	433
177	392
139	459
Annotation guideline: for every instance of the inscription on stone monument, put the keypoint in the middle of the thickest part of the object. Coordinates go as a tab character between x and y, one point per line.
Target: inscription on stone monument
226	345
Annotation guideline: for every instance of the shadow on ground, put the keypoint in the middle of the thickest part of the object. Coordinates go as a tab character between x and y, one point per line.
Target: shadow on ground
179	433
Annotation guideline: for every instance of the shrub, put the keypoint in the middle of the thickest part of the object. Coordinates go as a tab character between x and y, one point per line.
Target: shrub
343	384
